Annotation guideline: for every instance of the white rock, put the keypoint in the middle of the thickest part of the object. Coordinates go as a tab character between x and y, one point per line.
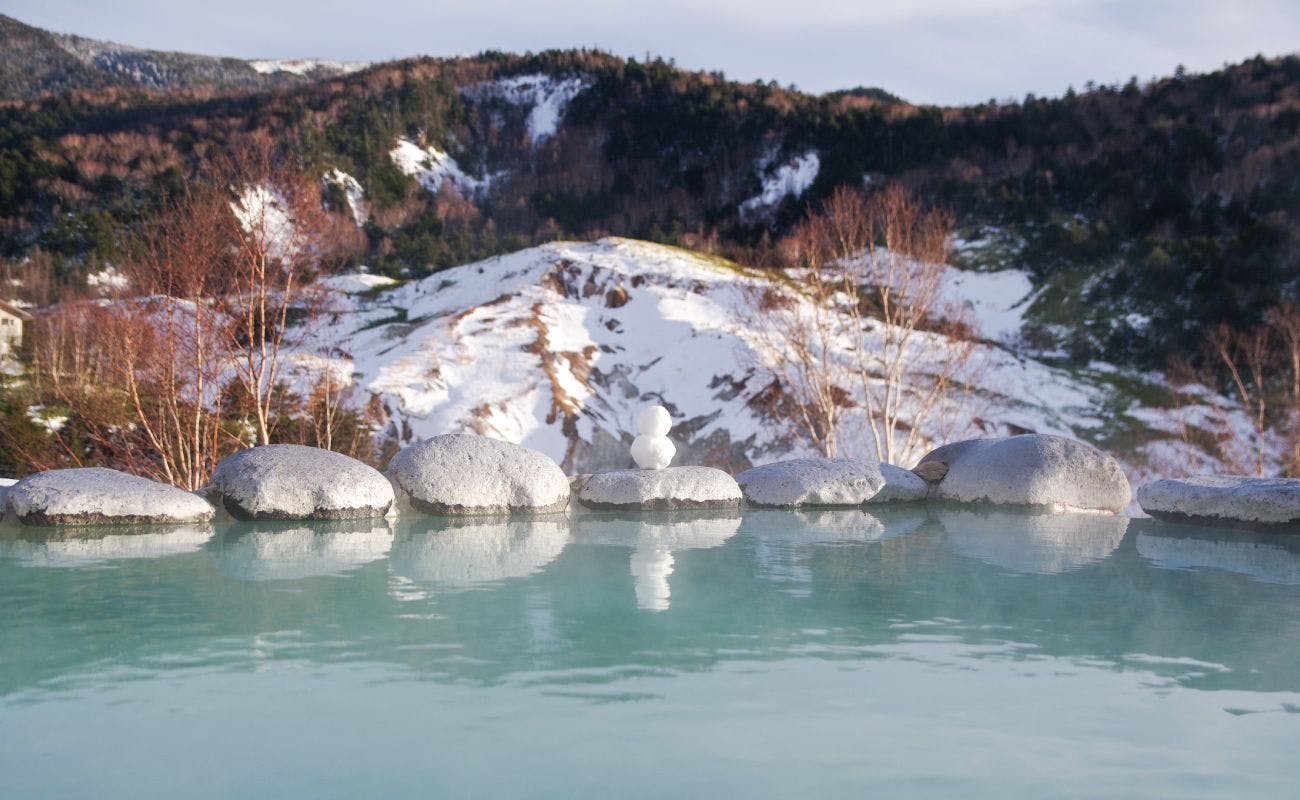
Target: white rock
654	421
1040	543
675	487
464	553
1229	499
290	481
94	495
653	452
828	482
466	474
329	548
1049	472
62	550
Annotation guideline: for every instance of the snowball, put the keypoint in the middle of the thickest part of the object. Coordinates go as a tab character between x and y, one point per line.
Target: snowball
654	421
652	452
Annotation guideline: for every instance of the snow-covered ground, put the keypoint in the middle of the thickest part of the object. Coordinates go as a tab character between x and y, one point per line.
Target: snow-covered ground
305	66
558	347
790	179
352	191
546	96
431	167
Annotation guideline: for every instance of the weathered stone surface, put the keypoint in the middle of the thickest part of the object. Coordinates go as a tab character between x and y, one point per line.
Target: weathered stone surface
1225	499
98	496
671	488
828	482
290	481
1048	472
466	474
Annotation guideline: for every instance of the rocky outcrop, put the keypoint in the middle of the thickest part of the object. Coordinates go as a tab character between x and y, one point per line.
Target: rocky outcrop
98	496
293	482
1048	472
465	474
828	482
1225	500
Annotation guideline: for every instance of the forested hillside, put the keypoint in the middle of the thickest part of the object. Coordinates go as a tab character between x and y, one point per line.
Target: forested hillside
1145	213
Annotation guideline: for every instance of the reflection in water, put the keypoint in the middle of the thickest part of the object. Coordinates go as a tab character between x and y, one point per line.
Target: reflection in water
289	551
75	547
654	538
464	552
1045	544
833	524
896	645
1268	559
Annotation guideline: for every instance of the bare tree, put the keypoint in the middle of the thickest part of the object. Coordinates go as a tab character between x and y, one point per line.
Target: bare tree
859	332
282	237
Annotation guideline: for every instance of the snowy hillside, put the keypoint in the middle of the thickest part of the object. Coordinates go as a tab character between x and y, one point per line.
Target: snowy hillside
557	347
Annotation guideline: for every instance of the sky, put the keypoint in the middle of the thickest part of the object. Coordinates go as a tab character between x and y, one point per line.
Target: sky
926	51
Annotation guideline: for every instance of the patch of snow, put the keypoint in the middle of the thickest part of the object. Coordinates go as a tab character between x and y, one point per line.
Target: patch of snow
261	212
432	167
791	179
305	66
352	190
356	282
52	423
107	280
547	96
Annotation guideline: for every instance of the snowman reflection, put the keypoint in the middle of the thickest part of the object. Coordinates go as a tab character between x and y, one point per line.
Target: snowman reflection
656	539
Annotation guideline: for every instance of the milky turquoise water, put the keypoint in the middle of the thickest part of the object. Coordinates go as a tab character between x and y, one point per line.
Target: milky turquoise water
925	654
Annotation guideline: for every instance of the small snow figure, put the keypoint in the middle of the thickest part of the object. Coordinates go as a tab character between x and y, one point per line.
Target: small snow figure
652	449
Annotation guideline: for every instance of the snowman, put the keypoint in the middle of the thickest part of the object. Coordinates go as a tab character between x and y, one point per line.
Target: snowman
652	449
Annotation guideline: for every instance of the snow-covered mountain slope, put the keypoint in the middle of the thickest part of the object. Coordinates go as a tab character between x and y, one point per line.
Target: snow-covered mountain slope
545	97
558	347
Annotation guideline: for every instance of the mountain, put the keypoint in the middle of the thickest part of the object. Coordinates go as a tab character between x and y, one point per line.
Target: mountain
558	347
1142	214
35	62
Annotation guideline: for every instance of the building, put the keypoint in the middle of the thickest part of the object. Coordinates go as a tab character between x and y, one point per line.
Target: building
12	319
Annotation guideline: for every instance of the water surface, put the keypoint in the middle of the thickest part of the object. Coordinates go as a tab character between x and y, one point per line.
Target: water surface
765	654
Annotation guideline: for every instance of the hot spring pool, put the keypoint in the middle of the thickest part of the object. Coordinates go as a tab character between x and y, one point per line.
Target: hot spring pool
924	653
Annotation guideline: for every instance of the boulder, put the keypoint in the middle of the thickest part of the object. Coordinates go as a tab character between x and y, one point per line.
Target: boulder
828	482
293	482
98	496
466	474
1048	472
661	489
1225	500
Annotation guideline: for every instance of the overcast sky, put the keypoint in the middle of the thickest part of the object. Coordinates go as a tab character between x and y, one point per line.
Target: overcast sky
936	51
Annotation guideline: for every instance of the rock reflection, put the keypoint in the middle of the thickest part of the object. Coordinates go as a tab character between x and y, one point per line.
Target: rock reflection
1027	542
1264	558
77	547
271	551
654	539
833	524
466	552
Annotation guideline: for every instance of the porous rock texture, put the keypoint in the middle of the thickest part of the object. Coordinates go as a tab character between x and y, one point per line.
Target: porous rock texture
1225	500
660	489
295	482
466	474
99	496
828	482
1048	472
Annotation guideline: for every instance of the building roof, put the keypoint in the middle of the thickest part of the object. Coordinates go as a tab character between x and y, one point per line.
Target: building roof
10	308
